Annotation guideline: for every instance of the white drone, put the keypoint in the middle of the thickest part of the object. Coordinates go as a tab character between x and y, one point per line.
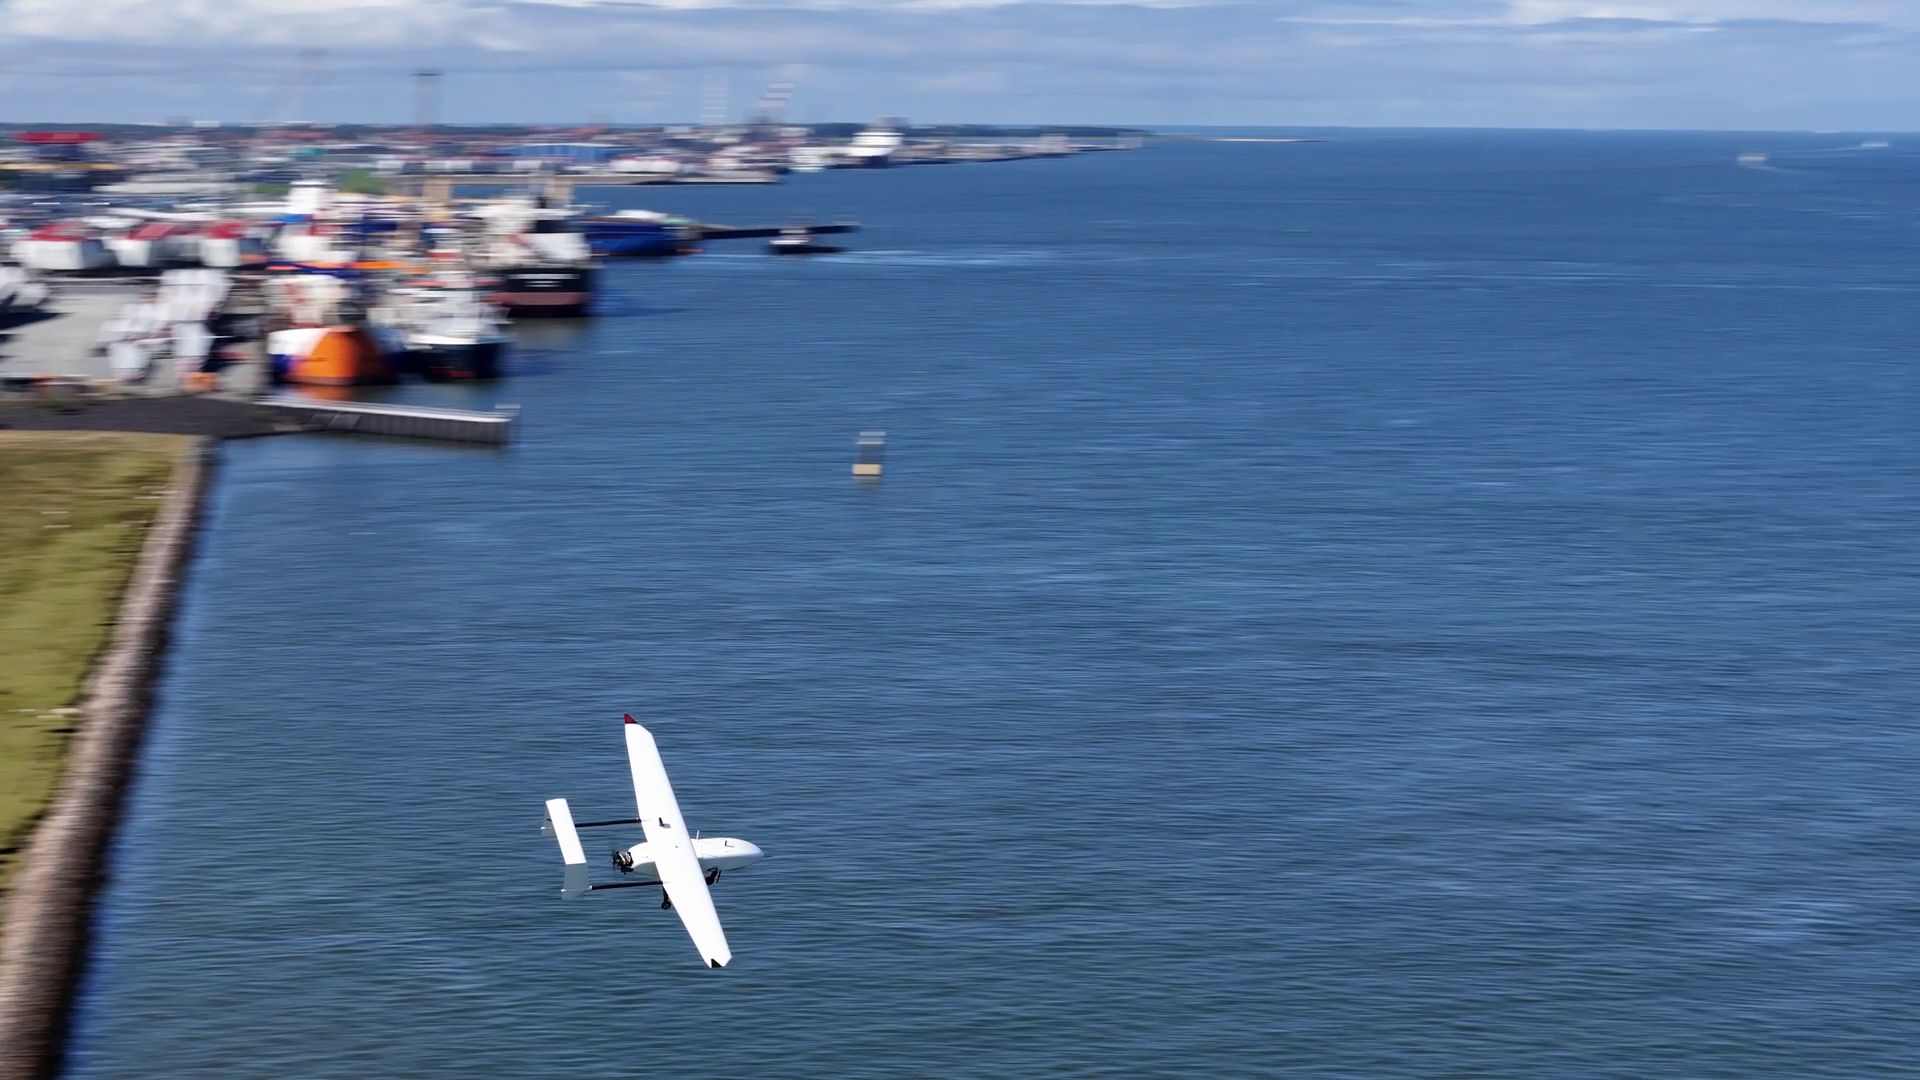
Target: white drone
683	866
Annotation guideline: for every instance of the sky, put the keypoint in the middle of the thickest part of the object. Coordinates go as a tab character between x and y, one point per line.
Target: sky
1728	64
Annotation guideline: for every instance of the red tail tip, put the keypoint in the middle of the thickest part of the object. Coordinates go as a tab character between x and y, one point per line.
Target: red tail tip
631	720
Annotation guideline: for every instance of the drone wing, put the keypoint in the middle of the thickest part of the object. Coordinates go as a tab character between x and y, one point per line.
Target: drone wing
672	848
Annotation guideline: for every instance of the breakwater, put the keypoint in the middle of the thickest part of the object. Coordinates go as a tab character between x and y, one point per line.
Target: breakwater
48	914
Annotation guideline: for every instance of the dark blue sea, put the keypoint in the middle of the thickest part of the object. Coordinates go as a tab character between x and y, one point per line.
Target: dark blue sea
1409	604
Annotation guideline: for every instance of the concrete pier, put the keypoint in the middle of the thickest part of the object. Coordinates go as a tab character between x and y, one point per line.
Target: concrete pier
400	421
62	342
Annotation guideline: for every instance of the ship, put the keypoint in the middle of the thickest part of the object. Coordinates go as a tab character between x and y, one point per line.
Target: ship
541	289
444	327
799	240
637	233
534	258
338	355
321	335
874	147
458	344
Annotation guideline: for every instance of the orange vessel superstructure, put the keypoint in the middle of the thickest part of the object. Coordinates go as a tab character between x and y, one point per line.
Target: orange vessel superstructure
326	340
329	356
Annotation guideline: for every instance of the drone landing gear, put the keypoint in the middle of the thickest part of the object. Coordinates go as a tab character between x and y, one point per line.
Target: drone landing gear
713	875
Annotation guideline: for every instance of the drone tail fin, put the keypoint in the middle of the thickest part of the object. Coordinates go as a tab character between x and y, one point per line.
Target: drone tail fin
559	825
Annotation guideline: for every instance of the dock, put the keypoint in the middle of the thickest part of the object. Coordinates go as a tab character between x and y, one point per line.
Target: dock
76	408
493	428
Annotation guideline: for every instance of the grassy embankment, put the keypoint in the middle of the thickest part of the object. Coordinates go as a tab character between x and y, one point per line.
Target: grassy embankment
74	509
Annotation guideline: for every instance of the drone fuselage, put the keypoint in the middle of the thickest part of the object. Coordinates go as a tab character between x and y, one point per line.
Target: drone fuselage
714	853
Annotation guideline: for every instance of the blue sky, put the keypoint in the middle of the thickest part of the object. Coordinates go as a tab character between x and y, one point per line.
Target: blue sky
1771	64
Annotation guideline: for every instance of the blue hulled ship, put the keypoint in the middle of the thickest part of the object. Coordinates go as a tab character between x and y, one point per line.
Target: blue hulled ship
637	233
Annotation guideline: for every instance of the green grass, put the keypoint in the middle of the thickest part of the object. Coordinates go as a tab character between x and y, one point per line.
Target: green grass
74	509
360	182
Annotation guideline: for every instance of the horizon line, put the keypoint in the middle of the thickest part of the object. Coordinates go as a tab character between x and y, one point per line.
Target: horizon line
214	125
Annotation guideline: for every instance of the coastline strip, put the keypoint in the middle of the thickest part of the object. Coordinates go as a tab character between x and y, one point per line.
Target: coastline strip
49	909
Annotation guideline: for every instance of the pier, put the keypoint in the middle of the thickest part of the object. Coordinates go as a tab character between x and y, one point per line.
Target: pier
224	417
399	421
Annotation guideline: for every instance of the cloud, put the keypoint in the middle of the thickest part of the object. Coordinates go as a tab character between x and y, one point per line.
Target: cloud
1892	13
1747	63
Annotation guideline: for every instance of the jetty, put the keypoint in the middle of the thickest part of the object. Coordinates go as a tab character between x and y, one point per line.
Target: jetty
222	416
494	427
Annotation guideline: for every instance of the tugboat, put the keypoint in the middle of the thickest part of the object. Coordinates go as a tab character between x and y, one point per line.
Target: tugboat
461	342
799	240
445	328
342	355
322	336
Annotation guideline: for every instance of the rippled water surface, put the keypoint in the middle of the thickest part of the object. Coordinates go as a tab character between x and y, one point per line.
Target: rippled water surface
1405	605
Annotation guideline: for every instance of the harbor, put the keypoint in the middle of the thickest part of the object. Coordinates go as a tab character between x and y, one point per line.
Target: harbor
526	554
297	260
1434	548
328	293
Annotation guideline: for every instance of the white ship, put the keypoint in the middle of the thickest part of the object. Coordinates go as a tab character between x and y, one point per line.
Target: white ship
446	327
875	146
537	257
872	148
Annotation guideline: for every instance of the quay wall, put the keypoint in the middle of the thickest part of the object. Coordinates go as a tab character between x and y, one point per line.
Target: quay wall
50	908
